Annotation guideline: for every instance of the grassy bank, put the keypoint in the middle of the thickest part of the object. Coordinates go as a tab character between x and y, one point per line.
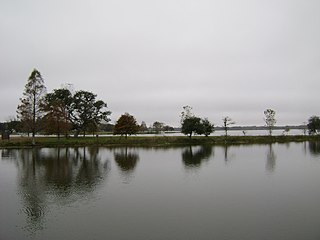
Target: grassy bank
151	141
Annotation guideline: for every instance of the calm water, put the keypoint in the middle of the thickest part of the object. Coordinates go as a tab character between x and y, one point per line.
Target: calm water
239	192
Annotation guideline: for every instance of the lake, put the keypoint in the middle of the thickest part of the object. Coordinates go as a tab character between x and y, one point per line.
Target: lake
191	192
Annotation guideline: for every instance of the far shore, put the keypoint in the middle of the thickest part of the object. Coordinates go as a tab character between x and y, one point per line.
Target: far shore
150	141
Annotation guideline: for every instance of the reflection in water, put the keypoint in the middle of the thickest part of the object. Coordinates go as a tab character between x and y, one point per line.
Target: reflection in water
192	157
59	175
61	190
226	159
314	148
271	160
8	154
127	162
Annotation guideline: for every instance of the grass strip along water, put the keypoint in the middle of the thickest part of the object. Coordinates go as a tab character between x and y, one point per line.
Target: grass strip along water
150	141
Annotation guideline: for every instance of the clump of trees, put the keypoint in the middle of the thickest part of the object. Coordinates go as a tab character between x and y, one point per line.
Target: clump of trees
158	127
64	111
60	111
313	125
191	124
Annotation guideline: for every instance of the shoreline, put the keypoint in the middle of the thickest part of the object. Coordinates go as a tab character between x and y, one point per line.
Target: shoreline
152	141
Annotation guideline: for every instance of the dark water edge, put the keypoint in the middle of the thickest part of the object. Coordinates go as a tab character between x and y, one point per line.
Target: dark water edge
260	191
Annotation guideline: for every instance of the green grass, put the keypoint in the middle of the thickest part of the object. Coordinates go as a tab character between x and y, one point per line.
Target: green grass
151	141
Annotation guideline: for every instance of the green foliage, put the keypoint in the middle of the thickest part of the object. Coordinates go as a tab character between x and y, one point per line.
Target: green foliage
191	124
270	119
126	125
313	124
86	112
208	127
81	111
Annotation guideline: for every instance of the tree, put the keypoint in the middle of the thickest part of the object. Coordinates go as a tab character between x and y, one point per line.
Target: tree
313	124
270	119
143	127
208	127
126	125
227	121
86	112
29	111
57	109
192	125
158	127
168	128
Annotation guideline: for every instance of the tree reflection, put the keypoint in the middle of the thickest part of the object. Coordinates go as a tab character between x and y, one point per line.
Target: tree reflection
271	160
126	161
8	153
192	158
314	148
226	159
62	174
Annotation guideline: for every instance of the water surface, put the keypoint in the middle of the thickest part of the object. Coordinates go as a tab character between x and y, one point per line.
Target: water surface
191	192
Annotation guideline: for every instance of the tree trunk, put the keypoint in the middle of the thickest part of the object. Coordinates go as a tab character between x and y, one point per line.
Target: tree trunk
34	120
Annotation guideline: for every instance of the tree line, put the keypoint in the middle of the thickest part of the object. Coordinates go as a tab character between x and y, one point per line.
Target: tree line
64	110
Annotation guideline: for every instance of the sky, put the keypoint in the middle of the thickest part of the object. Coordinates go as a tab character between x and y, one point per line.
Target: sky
150	58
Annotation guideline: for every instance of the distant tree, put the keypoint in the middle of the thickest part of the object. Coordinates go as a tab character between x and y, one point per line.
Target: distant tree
192	125
270	119
227	121
168	128
57	109
126	125
158	127
313	125
106	127
207	126
286	130
29	111
305	126
143	127
87	112
11	125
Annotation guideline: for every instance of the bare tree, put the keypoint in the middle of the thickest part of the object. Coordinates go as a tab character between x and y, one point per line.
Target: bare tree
227	121
270	119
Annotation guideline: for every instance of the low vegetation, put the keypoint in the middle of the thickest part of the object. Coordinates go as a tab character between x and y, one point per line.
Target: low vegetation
153	141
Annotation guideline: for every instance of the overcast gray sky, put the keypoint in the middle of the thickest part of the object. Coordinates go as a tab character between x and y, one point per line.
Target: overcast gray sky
150	58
